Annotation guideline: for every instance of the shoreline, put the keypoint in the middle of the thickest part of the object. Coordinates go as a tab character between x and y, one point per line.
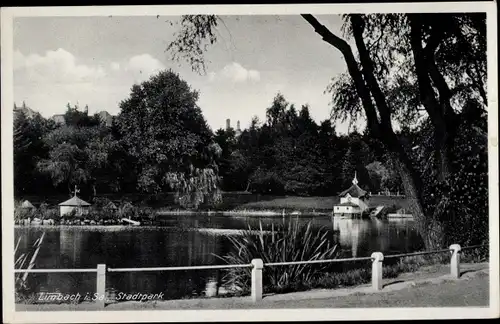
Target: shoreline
235	214
243	212
204	230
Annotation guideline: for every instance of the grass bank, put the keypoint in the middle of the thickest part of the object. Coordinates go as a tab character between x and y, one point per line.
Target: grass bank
260	205
313	205
232	202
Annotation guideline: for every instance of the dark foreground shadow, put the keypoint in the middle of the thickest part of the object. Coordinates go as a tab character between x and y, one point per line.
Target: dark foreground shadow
393	282
466	271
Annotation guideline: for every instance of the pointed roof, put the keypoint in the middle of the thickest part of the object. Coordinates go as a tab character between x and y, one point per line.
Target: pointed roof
350	204
27	204
74	201
354	191
30	113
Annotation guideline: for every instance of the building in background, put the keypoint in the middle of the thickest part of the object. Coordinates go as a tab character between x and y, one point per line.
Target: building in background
106	118
237	130
353	201
27	205
75	204
59	119
27	111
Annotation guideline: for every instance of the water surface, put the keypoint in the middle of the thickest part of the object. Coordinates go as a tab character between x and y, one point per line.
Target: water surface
177	243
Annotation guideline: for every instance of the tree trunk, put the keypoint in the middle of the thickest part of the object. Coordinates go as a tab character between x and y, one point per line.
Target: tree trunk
440	111
429	226
431	230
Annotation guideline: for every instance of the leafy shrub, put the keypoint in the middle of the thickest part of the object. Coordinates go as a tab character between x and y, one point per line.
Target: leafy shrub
101	203
146	213
44	212
49	213
264	182
24	213
127	210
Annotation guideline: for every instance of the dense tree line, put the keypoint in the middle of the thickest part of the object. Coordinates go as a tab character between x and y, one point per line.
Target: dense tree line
160	142
289	154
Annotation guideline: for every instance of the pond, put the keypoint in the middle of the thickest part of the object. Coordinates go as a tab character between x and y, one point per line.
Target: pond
179	243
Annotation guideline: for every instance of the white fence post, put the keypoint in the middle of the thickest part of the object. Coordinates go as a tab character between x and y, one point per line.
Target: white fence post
455	260
378	258
258	265
101	285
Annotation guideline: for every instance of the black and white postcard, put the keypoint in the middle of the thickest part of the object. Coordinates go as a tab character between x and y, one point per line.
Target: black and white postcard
258	162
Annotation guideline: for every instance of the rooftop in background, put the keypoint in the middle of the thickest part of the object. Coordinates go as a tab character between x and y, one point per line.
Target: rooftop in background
59	119
106	117
27	204
354	191
74	201
30	113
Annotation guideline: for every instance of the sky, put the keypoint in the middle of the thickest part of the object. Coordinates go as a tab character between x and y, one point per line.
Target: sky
95	61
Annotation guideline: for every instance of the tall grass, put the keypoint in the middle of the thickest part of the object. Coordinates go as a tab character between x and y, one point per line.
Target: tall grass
23	291
289	241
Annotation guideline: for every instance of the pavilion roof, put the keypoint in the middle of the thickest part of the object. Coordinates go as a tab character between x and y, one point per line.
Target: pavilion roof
27	204
74	201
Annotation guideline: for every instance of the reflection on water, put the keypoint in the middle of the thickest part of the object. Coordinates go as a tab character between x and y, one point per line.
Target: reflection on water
367	236
173	245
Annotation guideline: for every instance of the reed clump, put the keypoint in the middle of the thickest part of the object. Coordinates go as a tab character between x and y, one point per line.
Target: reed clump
288	241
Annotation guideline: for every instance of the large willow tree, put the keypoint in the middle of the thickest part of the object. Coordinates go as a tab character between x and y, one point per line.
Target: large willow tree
166	135
428	73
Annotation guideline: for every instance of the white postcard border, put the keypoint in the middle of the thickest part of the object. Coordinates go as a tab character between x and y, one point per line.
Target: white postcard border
10	316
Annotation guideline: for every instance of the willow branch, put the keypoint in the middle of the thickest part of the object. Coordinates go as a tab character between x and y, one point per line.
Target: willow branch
352	66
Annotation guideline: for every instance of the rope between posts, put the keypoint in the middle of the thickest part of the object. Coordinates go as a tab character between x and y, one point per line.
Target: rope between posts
53	270
316	261
232	266
208	267
415	253
474	246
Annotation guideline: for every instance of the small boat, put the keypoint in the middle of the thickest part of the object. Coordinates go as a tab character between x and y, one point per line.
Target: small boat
402	216
131	222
